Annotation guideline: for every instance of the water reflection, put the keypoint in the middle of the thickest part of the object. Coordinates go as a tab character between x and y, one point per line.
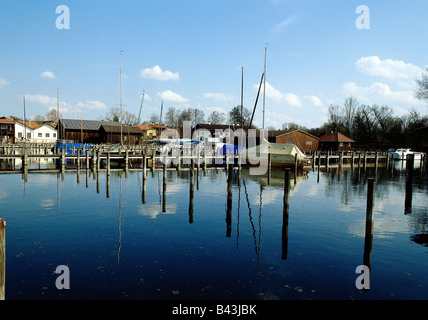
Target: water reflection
279	227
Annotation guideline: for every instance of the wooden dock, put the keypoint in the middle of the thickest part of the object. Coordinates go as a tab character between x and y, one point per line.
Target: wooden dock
100	158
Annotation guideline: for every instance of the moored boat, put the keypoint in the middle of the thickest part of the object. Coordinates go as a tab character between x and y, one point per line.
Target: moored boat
401	154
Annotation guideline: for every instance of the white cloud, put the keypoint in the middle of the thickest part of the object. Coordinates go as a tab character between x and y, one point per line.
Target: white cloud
314	100
280	26
41	99
396	70
290	99
168	95
48	75
157	73
91	105
218	96
381	93
3	83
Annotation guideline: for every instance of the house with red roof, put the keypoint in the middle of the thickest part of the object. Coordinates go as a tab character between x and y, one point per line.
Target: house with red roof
335	141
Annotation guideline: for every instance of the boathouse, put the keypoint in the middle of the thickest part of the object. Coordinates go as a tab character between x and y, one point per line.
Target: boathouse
7	130
86	131
303	140
335	141
121	134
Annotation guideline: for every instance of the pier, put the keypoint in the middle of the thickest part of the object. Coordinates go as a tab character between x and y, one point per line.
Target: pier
18	158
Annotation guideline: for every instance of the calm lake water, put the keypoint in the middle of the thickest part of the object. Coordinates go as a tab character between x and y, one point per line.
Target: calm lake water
118	247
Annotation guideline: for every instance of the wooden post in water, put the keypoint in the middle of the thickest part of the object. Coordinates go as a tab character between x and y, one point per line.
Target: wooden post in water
229	202
409	184
164	185
2	258
192	192
108	163
368	240
285	215
126	159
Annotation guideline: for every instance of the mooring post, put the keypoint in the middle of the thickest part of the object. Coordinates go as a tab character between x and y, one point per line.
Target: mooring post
87	159
108	163
229	202
144	166
285	214
2	258
192	192
409	184
368	240
126	159
164	184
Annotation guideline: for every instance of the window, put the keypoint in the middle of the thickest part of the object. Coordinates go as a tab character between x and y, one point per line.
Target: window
28	135
39	135
309	143
19	134
47	135
290	142
54	135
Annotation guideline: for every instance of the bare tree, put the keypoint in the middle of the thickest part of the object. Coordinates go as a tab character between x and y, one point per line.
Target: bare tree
349	109
52	115
422	90
217	117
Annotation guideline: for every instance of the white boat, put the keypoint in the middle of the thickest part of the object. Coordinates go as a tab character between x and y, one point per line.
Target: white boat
401	154
280	155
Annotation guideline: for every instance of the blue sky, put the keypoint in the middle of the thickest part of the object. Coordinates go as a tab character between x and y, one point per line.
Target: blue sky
189	53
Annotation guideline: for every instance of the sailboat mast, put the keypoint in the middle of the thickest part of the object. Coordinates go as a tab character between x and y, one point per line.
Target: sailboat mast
264	91
141	107
57	105
121	112
25	121
242	99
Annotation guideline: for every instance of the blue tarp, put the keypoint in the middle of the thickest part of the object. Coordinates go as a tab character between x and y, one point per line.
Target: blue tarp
232	149
69	147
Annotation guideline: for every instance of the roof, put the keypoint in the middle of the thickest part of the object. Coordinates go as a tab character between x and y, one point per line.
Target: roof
29	124
335	137
280	133
88	125
213	127
7	120
148	126
117	129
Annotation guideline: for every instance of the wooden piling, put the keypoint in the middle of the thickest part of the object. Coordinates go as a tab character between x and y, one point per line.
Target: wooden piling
285	214
2	258
108	163
229	202
409	184
164	185
368	242
192	192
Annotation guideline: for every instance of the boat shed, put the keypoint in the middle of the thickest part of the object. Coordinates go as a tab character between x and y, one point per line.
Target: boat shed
86	131
303	140
115	133
335	141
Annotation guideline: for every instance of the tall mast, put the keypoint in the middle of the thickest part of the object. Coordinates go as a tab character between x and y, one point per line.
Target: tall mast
242	99
25	124
264	91
121	112
141	107
57	106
